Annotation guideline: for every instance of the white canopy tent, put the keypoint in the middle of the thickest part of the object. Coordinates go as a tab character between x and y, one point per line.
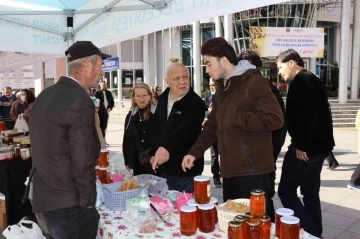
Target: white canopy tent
50	26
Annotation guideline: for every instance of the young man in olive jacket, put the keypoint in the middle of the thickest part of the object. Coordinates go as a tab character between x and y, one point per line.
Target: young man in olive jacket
244	114
310	127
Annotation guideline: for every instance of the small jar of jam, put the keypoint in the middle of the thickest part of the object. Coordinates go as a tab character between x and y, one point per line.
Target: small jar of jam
257	203
235	230
188	220
202	189
207	218
245	225
265	227
253	231
192	203
243	219
215	201
289	227
280	212
104	158
103	175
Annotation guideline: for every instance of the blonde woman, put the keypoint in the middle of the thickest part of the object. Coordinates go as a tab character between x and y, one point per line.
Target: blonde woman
137	135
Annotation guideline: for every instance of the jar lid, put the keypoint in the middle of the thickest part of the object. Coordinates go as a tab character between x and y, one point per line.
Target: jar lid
265	219
188	209
103	168
240	218
104	150
213	200
284	212
235	224
257	192
248	214
201	178
253	222
290	220
208	206
192	202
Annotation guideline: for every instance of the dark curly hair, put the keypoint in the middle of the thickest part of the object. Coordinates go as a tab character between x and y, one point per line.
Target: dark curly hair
252	57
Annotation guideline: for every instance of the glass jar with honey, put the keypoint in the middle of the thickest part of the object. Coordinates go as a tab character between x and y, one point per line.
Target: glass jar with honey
192	203
289	227
280	212
245	225
202	189
188	220
235	230
215	201
207	217
265	227
102	174
257	203
253	230
104	158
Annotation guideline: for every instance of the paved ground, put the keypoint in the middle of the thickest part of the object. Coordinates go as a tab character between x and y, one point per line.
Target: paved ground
340	205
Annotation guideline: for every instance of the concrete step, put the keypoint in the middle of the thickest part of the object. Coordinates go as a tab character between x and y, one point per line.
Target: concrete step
343	120
351	116
344	125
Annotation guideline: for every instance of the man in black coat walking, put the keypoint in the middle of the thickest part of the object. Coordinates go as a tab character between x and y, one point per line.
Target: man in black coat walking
310	126
178	118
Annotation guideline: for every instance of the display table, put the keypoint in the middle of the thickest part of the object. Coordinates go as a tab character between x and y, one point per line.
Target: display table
112	225
12	178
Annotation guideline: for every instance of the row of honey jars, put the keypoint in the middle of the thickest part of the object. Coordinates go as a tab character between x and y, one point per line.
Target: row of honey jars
287	226
246	227
192	218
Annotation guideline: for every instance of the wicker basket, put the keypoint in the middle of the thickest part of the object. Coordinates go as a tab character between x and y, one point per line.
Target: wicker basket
225	216
116	201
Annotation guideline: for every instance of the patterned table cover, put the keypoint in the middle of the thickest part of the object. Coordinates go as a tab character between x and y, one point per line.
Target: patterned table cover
113	226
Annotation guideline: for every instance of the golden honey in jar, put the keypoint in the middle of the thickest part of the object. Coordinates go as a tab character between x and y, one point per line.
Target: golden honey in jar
257	203
104	158
235	230
253	230
243	219
192	203
102	174
188	220
215	201
207	217
202	189
289	227
265	227
245	225
280	212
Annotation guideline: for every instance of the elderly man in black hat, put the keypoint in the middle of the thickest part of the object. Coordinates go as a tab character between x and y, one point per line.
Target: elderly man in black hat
65	146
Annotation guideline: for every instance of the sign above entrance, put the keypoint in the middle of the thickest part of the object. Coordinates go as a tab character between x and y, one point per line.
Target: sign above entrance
111	64
271	41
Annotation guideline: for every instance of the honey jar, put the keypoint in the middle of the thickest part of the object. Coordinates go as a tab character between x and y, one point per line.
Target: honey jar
207	218
257	203
289	227
280	212
253	230
104	158
235	230
188	220
265	227
192	203
202	189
